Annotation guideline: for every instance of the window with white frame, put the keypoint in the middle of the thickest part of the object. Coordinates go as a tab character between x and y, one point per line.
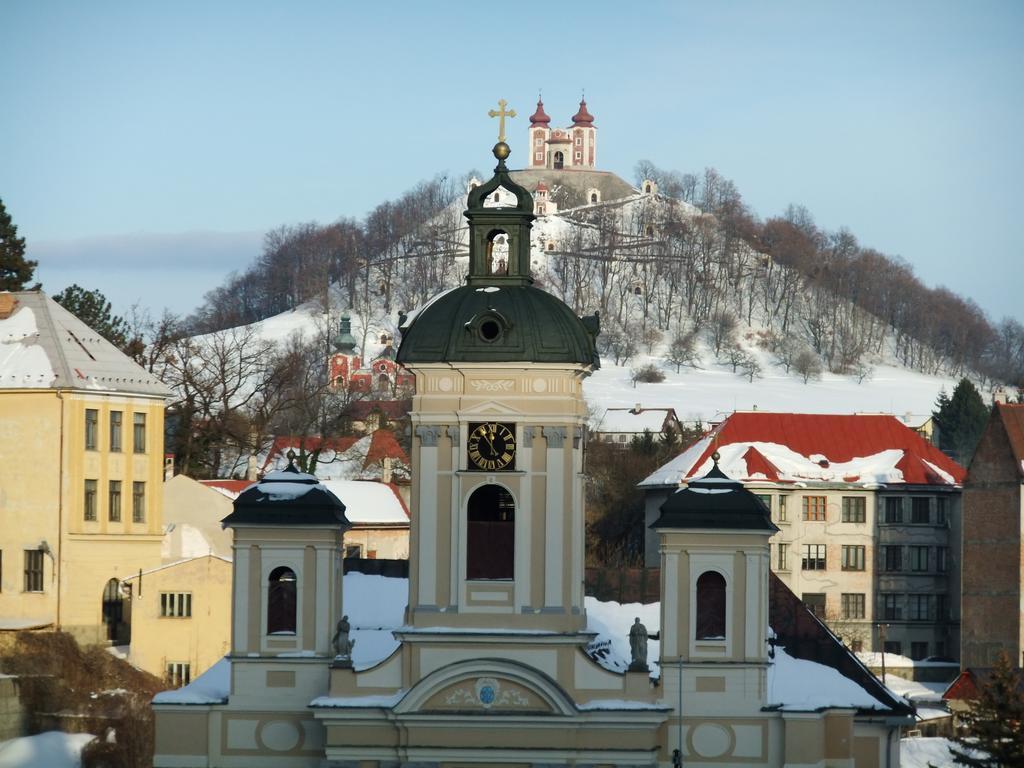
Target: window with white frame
179	673
176	605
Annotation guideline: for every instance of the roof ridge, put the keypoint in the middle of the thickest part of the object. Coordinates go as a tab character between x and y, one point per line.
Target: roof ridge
63	376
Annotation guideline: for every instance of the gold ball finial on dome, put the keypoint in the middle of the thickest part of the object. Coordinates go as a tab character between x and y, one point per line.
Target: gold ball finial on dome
502	150
715	457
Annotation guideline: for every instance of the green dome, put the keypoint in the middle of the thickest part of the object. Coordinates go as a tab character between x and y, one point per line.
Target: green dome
498	324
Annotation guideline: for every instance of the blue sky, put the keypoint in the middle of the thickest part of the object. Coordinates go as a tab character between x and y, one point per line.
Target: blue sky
146	147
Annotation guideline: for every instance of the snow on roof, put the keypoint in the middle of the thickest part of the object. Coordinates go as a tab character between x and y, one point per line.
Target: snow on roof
53	749
43	346
345	458
375	606
874	659
798	685
631	420
794	447
368	502
182	561
923	752
211	687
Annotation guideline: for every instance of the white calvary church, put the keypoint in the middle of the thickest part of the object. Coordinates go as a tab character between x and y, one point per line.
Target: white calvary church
494	663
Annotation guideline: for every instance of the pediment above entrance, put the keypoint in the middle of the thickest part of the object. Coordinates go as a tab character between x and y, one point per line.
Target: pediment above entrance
487	686
487	694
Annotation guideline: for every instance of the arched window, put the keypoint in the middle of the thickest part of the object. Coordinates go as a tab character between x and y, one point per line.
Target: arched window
711	606
647	188
593	197
559	161
281	601
490	546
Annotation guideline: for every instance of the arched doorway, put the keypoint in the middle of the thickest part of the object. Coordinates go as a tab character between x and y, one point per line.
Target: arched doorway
116	614
559	161
491	534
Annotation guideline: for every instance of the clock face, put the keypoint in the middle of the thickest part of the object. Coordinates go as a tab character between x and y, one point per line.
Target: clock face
491	446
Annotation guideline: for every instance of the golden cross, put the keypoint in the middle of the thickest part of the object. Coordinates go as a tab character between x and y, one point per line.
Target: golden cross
501	114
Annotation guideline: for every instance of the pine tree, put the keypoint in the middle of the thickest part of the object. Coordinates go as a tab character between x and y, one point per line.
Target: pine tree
995	722
15	270
961	419
93	309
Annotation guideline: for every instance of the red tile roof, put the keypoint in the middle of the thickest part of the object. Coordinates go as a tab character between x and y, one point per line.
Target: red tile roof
1012	417
233	487
384	445
840	438
757	463
393	409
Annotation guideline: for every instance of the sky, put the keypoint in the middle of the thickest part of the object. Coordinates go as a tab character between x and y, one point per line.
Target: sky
145	148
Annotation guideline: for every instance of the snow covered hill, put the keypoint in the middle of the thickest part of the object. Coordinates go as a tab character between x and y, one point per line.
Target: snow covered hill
706	393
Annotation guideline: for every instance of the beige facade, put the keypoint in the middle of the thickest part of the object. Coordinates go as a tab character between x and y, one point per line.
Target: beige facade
81	470
192	515
181	617
492	664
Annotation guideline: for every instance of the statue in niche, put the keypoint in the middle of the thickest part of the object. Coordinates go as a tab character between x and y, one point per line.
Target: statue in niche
342	643
638	647
497	255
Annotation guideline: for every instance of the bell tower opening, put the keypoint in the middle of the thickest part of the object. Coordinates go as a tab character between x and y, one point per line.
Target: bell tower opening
491	528
559	162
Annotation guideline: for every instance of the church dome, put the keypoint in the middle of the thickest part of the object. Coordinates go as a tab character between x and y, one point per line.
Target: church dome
506	323
539	119
583	118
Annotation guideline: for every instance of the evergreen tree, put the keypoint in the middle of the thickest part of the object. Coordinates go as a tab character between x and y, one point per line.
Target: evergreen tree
961	419
995	722
93	309
15	270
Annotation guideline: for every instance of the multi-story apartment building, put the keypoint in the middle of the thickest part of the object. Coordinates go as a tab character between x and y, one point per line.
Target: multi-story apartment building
81	467
868	515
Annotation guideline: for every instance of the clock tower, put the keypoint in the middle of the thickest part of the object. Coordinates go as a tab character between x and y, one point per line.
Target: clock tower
498	421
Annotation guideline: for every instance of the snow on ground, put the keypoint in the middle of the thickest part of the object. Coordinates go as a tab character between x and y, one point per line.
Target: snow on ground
52	749
712	392
921	752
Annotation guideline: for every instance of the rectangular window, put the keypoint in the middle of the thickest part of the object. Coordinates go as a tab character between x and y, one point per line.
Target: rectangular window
941	510
538	156
538	142
892	606
920	608
852	605
856	646
892	558
178	673
853	557
782	509
942	559
893	646
783	560
814	508
854	509
92	428
766	499
893	509
579	142
920	510
816	602
114	501
115	431
90	500
579	155
814	557
139	432
176	604
919	558
941	611
138	502
33	570
918	650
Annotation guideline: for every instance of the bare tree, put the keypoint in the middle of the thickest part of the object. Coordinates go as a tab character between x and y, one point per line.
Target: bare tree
807	365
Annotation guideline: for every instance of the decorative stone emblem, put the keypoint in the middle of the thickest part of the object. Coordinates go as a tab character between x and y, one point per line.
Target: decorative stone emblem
487	692
540	385
444	384
498	385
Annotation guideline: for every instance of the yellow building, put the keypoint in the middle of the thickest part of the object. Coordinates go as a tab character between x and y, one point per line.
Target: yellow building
181	617
81	467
